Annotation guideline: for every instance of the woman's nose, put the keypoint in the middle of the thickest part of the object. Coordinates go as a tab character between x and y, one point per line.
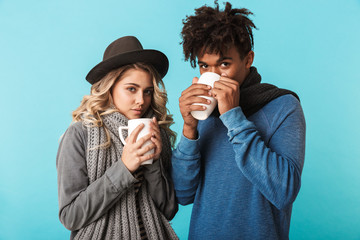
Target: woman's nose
140	98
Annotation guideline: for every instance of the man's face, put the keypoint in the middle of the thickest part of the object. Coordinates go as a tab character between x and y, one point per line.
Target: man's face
230	63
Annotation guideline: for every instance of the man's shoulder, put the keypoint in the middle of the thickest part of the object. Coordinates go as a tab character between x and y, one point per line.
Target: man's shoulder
279	109
283	103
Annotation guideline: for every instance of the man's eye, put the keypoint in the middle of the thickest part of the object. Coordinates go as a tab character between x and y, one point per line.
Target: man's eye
225	64
203	66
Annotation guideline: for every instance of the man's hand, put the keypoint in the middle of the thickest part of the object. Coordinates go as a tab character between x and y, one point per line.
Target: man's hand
188	97
227	92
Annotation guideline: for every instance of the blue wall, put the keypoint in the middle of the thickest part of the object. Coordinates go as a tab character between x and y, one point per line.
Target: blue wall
47	48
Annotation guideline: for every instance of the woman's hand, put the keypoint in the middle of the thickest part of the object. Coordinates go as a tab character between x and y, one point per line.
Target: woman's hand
156	138
133	152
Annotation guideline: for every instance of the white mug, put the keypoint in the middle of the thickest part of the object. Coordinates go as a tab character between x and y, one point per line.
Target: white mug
132	124
208	78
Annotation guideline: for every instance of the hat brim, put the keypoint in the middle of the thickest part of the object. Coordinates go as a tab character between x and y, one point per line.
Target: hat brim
156	58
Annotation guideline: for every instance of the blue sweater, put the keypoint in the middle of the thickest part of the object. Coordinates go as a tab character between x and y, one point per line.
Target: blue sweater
242	175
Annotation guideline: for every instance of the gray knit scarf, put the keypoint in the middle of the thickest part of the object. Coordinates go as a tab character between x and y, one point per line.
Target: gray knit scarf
121	221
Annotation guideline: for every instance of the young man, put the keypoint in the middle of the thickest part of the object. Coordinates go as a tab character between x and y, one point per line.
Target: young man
242	166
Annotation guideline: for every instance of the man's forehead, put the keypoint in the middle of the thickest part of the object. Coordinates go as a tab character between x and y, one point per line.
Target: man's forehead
224	52
216	56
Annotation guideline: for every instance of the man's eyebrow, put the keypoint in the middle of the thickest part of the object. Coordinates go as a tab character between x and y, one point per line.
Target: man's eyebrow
218	61
224	58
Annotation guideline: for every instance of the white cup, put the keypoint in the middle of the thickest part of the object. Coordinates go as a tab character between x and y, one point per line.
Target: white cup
208	78
132	124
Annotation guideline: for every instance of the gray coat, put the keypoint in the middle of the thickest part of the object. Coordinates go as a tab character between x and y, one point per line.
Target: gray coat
81	204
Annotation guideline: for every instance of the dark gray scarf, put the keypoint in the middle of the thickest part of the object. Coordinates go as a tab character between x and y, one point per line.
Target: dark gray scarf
121	221
254	95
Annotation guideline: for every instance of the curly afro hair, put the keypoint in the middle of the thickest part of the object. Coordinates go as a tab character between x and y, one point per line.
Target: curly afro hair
213	31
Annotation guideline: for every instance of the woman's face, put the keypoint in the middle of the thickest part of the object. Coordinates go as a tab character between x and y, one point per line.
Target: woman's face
132	94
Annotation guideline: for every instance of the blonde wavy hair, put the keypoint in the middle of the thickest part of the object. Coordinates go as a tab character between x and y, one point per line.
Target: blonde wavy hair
100	101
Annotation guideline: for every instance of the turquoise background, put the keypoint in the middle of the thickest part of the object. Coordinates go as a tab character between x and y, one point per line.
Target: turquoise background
47	48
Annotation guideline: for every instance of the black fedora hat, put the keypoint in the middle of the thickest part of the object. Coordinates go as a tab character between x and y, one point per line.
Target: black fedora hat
124	51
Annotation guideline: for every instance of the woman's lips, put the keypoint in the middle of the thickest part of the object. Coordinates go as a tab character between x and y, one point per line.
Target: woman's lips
137	111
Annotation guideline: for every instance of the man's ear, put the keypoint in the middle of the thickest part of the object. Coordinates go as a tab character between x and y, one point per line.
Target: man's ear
249	59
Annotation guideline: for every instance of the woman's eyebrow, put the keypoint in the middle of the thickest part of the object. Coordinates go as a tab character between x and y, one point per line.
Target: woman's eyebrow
138	86
134	84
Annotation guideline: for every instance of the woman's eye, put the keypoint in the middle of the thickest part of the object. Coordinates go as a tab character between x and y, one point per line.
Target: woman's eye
204	66
148	92
131	89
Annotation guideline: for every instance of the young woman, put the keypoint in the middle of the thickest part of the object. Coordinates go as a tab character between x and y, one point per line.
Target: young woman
104	190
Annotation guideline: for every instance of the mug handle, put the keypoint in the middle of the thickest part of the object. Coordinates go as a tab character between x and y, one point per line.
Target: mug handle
121	135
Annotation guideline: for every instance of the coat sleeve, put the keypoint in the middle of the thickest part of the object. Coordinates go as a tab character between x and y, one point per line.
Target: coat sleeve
161	189
81	203
159	182
275	167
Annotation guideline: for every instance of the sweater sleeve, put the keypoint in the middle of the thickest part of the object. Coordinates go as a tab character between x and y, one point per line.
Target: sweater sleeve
186	169
80	203
274	168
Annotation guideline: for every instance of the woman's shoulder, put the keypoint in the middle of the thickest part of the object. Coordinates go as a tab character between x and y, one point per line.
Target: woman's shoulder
73	145
77	126
76	131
